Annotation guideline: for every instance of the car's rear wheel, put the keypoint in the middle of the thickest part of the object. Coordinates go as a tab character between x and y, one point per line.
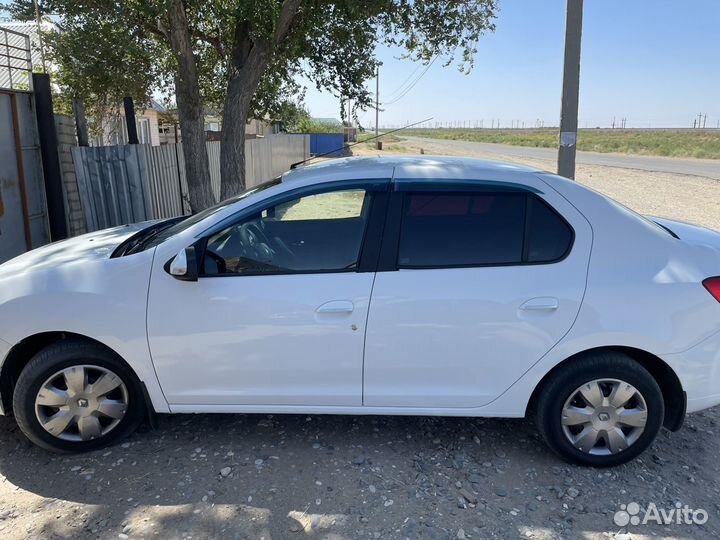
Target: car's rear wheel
76	396
602	409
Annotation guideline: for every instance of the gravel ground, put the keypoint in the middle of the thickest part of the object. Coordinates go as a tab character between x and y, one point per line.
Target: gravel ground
341	478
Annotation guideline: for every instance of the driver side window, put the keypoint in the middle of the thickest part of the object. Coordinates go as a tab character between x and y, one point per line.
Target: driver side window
315	233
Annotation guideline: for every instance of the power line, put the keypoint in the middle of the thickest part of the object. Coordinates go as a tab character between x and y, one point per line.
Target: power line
391	95
398	98
412	85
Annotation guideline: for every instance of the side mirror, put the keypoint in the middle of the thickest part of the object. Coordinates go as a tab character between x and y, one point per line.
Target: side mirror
184	265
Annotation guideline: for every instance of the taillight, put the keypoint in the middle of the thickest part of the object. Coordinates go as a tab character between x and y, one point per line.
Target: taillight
712	284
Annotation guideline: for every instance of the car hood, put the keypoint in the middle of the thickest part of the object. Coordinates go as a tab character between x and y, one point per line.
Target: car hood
74	285
81	249
689	233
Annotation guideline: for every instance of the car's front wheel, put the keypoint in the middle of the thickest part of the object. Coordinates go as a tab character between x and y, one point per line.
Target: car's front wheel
602	409
75	396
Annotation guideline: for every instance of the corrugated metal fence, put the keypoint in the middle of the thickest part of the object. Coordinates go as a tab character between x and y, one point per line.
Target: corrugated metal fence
125	184
326	143
165	172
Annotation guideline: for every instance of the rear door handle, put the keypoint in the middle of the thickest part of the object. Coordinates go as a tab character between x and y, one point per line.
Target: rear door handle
544	303
336	307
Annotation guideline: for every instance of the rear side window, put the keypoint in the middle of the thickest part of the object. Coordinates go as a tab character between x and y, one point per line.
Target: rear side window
456	229
548	235
462	229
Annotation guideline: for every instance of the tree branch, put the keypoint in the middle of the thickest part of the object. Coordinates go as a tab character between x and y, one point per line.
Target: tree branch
158	29
288	11
213	40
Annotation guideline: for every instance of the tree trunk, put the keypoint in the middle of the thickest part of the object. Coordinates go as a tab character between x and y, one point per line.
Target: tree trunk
248	61
235	115
190	111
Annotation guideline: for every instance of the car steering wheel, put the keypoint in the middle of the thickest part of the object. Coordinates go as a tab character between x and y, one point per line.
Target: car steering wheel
256	242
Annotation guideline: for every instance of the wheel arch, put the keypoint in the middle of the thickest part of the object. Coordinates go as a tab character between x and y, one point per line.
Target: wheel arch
23	351
666	378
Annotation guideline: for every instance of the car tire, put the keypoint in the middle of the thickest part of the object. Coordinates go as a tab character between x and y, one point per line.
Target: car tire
98	394
579	403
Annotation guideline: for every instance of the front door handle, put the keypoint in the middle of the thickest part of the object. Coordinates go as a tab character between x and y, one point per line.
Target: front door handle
336	307
544	303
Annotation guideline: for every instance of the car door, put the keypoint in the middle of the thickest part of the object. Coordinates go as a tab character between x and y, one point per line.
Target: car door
277	316
477	281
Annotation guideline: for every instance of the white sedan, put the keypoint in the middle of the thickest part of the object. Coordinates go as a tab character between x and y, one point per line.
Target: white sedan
405	286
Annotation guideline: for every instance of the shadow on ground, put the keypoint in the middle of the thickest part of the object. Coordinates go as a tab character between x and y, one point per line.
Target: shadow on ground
337	477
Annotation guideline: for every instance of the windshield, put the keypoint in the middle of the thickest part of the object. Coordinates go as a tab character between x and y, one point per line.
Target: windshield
163	234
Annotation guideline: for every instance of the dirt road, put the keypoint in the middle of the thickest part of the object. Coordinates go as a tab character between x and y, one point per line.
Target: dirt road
708	168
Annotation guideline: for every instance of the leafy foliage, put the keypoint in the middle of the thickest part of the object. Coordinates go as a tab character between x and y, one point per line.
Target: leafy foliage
110	49
246	56
102	63
92	55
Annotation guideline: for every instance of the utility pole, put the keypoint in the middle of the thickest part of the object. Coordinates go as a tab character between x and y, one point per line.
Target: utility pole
571	89
130	120
377	107
38	21
81	129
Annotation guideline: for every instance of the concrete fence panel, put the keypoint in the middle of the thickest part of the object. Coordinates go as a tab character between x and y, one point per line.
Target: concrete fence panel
65	129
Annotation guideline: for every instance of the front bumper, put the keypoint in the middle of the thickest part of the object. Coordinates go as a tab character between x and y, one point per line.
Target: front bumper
4	350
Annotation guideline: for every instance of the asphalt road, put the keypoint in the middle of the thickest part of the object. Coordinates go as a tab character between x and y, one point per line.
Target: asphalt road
708	168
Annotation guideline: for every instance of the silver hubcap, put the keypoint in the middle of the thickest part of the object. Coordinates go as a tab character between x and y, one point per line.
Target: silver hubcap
604	416
81	403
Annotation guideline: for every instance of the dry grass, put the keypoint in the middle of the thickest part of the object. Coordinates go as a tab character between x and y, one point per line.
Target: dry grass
692	143
333	205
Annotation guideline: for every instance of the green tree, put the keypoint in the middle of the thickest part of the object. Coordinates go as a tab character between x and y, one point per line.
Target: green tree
291	114
244	56
107	65
95	59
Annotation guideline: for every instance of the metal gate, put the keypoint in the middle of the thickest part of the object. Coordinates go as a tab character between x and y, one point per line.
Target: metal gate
23	211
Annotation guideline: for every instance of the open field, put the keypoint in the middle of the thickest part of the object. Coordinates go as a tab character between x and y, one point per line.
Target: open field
693	143
660	191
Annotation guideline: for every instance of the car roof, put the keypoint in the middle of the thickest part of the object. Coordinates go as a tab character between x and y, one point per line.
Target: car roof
416	167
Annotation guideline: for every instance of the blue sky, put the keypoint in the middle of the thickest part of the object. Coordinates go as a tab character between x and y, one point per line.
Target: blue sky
655	62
